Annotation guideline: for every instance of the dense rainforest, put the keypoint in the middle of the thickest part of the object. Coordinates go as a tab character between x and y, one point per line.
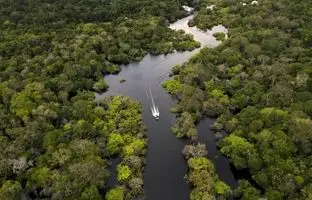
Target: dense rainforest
55	140
258	84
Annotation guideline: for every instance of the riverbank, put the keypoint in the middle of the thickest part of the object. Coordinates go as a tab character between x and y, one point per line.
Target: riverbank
165	166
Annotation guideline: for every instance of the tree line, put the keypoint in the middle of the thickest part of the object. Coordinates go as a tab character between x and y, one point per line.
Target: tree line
258	85
55	139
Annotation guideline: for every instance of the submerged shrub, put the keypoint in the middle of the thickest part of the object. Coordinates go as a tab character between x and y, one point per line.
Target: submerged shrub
194	150
100	86
115	194
123	172
185	127
172	86
219	36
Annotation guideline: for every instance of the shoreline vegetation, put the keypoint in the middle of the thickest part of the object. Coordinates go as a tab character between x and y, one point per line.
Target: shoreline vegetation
55	139
201	175
257	84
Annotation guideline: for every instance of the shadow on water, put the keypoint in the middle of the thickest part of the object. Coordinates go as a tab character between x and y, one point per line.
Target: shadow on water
222	164
112	181
165	166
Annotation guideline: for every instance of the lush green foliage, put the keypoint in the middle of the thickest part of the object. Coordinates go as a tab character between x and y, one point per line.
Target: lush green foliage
202	176
115	194
185	127
100	86
55	158
258	84
55	139
124	172
219	36
69	46
10	190
173	86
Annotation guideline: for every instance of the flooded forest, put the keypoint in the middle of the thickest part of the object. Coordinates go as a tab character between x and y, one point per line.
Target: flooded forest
148	99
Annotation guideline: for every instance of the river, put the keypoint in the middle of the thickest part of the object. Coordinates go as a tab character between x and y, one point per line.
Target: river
165	167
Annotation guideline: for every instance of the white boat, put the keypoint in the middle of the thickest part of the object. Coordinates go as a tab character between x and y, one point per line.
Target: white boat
188	9
155	112
154	108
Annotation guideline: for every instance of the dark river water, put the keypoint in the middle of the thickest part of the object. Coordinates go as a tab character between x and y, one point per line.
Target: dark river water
165	167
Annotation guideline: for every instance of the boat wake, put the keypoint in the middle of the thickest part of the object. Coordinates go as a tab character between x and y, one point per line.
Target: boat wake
154	108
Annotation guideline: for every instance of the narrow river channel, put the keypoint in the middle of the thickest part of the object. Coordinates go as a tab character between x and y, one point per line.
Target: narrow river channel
165	167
